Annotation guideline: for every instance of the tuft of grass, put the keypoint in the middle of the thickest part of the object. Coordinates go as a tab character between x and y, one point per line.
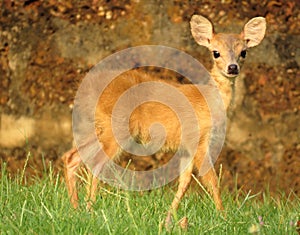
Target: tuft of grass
42	207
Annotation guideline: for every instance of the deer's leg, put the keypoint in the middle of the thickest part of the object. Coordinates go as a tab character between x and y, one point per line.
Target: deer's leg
110	148
184	182
72	161
210	181
91	190
210	178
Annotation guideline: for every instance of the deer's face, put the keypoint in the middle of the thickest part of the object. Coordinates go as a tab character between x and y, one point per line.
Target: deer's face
229	53
228	50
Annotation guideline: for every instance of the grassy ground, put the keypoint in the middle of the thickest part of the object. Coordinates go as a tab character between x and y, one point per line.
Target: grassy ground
42	207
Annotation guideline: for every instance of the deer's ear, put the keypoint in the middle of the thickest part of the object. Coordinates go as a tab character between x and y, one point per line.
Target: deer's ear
202	30
254	31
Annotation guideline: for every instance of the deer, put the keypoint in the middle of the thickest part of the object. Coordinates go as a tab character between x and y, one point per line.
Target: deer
228	51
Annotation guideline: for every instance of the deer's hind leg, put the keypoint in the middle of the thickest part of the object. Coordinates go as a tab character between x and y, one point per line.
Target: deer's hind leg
72	162
91	189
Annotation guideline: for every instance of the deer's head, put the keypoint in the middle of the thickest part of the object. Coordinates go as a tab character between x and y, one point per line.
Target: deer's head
228	50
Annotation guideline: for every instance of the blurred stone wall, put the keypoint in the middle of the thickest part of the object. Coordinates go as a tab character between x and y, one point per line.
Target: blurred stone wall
47	47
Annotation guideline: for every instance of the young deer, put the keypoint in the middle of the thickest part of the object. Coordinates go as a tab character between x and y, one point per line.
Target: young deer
229	52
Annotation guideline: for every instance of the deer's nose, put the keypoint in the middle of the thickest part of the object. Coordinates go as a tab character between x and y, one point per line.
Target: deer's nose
233	69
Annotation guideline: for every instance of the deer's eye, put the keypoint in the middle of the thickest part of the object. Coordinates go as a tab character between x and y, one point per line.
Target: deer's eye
216	54
243	53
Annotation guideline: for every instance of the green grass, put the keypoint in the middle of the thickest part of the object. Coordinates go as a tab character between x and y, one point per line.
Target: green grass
42	207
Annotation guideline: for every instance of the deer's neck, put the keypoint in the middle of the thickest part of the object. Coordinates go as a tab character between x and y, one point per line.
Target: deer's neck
225	86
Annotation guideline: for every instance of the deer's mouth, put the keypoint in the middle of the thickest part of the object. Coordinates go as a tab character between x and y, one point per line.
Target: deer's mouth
231	74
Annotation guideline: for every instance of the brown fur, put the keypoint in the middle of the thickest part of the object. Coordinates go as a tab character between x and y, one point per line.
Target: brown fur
229	46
